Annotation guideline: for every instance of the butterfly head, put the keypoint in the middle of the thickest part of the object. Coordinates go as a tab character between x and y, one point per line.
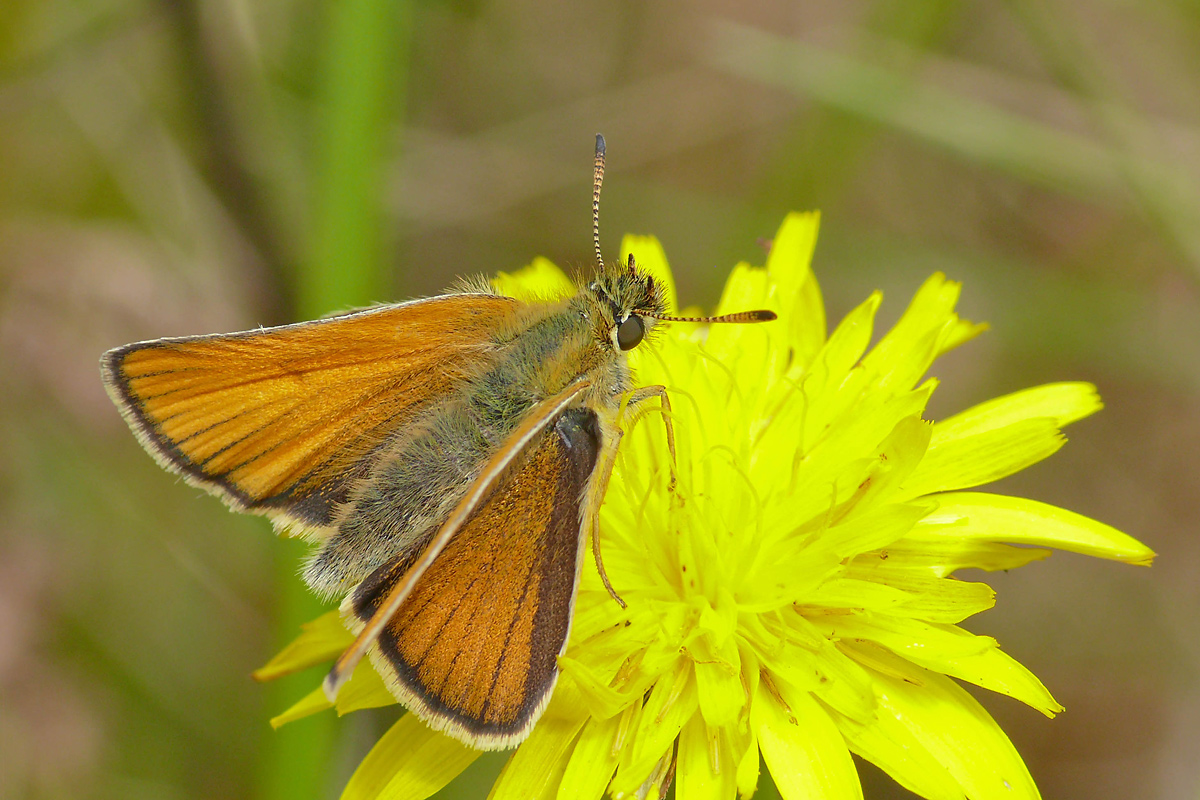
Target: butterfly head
626	302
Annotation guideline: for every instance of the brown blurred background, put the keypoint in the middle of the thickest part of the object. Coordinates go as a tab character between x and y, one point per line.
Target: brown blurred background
174	167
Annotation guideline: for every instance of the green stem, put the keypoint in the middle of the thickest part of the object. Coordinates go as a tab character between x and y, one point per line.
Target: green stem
364	73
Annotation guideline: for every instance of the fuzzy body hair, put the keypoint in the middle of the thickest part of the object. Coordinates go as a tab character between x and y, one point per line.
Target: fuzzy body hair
419	477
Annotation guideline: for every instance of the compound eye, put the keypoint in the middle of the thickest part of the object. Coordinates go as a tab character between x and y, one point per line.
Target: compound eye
630	332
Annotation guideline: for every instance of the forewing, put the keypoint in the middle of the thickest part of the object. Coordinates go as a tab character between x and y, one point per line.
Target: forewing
474	648
283	420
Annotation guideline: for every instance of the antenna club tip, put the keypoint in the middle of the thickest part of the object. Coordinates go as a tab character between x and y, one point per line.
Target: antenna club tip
599	144
763	315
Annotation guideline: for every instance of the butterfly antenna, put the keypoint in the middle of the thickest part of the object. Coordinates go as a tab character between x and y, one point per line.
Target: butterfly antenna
597	179
762	315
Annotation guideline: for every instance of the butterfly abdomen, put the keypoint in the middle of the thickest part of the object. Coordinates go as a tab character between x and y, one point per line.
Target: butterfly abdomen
411	488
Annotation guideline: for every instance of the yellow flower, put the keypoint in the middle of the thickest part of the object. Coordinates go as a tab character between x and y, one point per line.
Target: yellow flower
794	596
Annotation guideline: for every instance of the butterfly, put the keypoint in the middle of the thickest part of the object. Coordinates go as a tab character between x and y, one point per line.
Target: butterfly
447	456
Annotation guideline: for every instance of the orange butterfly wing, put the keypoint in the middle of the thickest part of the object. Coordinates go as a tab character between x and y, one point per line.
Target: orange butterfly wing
282	420
473	650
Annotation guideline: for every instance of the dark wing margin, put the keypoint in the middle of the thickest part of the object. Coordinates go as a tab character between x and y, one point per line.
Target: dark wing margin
280	421
473	650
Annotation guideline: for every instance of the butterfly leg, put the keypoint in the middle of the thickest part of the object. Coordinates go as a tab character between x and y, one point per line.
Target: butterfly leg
608	460
603	472
659	391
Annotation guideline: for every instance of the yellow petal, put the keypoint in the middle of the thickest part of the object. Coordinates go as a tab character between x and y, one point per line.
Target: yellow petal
854	594
799	298
409	762
808	336
1063	402
323	639
906	351
997	671
312	703
959	332
672	702
743	738
873	529
705	769
845	347
997	518
956	731
803	749
747	766
831	678
789	261
941	555
887	744
749	349
537	768
720	691
365	689
603	701
951	650
983	457
899	457
592	761
929	597
648	252
747	287
844	451
539	281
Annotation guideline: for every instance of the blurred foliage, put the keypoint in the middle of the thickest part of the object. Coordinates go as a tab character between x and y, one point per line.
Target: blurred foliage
181	167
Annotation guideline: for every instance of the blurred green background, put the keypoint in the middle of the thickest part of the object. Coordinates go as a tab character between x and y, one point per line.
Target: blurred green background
173	167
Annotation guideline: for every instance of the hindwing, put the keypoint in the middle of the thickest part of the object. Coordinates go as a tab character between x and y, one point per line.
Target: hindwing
473	650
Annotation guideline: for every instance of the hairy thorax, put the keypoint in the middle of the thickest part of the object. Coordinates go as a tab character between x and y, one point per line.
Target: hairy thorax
418	478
